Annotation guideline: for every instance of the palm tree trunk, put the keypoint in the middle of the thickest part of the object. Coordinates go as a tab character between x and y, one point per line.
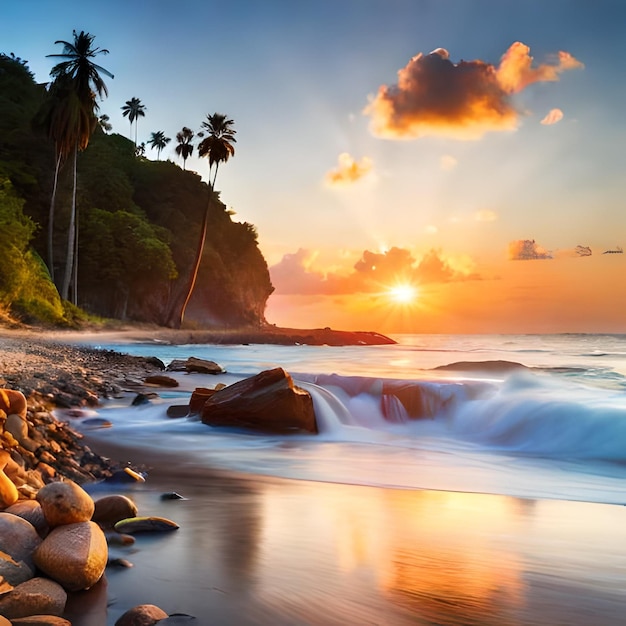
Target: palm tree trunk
196	267
71	232
75	270
51	218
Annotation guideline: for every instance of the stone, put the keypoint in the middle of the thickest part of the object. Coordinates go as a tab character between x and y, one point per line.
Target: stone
40	620
37	596
134	525
31	511
269	402
5	622
14	572
203	366
17	426
65	503
8	491
142	615
74	555
198	397
13	402
112	509
161	381
18	538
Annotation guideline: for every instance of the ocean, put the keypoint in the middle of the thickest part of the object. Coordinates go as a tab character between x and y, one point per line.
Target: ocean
502	505
554	428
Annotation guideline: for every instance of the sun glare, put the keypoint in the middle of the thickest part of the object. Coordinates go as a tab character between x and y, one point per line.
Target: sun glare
403	294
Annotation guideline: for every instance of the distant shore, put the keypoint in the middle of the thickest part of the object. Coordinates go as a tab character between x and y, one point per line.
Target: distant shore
158	334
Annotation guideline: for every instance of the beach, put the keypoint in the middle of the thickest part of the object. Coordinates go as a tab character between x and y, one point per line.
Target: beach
255	549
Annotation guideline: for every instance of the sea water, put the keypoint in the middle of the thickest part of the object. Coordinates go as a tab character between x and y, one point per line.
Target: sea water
554	428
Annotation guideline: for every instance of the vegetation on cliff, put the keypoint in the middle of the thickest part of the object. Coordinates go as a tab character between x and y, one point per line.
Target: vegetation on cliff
138	223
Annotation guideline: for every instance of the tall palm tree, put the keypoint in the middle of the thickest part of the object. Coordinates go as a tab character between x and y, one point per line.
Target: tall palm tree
184	148
80	82
158	140
105	123
218	147
133	109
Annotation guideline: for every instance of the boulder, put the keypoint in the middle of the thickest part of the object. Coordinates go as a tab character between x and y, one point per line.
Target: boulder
31	511
112	509
151	524
18	538
142	615
65	503
40	620
14	572
74	555
5	622
268	402
37	596
193	364
198	397
13	402
8	491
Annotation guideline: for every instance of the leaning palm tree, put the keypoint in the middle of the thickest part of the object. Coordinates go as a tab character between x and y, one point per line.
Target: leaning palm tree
184	148
218	147
158	140
79	78
133	109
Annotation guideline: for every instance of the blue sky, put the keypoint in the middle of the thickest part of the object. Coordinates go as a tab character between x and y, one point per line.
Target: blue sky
297	77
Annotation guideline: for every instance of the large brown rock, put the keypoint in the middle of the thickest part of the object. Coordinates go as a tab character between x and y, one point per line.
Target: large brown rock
65	503
13	402
112	509
37	596
268	402
142	615
74	555
18	538
31	511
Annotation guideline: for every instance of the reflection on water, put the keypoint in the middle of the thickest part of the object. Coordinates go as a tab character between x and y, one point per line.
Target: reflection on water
299	553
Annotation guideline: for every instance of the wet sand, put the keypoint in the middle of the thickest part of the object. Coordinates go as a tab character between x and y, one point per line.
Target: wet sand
254	551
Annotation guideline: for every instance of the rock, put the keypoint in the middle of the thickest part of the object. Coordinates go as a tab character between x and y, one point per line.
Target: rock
142	615
18	538
96	422
40	620
74	555
203	366
172	495
118	539
143	398
5	622
145	524
198	397
65	503
31	511
112	509
17	426
161	381
268	402
13	402
8	491
14	572
126	475
177	410
37	596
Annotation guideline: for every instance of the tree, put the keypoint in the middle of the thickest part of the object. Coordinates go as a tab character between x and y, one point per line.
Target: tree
105	123
218	147
133	109
184	148
79	82
158	140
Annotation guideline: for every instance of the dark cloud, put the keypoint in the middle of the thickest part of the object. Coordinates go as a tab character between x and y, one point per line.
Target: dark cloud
434	96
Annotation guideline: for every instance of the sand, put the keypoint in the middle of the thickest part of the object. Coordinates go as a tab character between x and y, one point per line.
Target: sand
253	550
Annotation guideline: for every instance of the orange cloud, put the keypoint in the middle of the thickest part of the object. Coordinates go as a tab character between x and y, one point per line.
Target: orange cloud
370	274
527	250
349	170
434	96
485	215
554	116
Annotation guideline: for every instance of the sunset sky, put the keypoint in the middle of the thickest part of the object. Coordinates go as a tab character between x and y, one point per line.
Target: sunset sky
472	149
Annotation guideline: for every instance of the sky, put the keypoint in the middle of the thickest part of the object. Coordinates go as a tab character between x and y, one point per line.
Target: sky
440	166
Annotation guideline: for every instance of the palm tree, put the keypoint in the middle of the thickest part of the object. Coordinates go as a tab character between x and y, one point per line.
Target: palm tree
133	109
79	82
105	123
184	148
158	140
218	147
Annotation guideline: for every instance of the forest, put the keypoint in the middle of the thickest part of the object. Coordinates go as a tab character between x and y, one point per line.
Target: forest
91	228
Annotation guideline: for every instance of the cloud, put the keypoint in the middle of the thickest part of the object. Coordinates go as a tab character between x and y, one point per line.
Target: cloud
485	215
583	251
465	100
348	171
554	116
527	250
373	272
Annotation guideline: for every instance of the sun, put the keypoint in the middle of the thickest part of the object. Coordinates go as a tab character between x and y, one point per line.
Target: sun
402	294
